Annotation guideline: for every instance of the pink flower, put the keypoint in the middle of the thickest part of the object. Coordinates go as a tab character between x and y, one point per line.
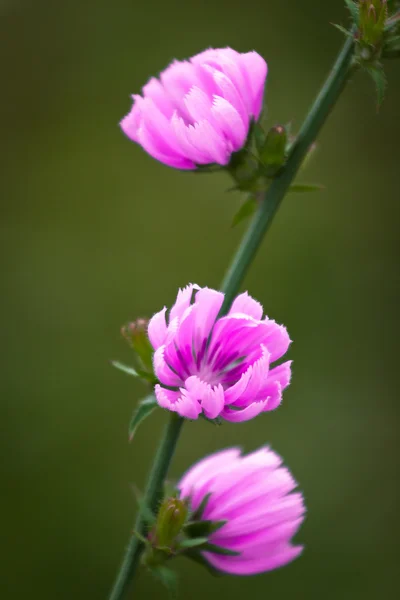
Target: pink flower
218	366
199	111
253	494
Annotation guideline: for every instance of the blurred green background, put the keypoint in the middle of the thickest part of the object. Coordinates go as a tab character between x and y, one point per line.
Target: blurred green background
94	233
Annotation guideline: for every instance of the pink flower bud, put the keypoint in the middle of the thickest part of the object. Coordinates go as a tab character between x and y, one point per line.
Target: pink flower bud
199	111
254	495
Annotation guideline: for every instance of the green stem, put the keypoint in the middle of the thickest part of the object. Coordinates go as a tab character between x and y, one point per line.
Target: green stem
151	498
272	198
231	284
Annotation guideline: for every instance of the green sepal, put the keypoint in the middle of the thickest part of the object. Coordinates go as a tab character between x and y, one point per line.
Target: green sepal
259	136
147	376
168	578
305	188
143	410
198	513
379	78
218	550
196	529
193	542
247	209
273	154
216	421
354	10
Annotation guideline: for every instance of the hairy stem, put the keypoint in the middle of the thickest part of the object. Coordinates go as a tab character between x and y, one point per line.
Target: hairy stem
242	260
151	498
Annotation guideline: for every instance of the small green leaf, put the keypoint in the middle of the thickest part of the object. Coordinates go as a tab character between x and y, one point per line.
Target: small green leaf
124	368
168	578
140	537
305	188
354	10
343	30
379	78
245	211
203	528
218	550
145	510
143	410
193	542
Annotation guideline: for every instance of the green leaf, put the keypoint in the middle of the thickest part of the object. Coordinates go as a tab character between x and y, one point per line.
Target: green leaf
143	410
168	578
354	11
379	78
202	528
145	510
305	188
245	211
193	542
218	550
124	368
343	30
140	373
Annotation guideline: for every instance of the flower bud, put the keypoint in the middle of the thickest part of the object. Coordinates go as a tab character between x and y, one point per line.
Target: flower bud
372	21
170	520
273	153
136	335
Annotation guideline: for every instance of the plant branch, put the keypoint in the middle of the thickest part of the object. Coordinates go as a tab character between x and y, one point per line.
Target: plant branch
242	260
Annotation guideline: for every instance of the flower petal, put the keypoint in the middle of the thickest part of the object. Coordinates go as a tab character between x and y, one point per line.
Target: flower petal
256	69
182	301
229	122
157	329
238	416
163	371
264	561
247	305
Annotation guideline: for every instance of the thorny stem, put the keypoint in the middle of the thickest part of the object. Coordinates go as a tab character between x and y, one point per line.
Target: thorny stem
241	262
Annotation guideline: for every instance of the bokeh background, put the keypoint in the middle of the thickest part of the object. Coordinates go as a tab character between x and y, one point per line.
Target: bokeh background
93	233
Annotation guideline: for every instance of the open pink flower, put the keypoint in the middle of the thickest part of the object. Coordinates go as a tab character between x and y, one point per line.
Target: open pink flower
218	366
253	494
199	111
